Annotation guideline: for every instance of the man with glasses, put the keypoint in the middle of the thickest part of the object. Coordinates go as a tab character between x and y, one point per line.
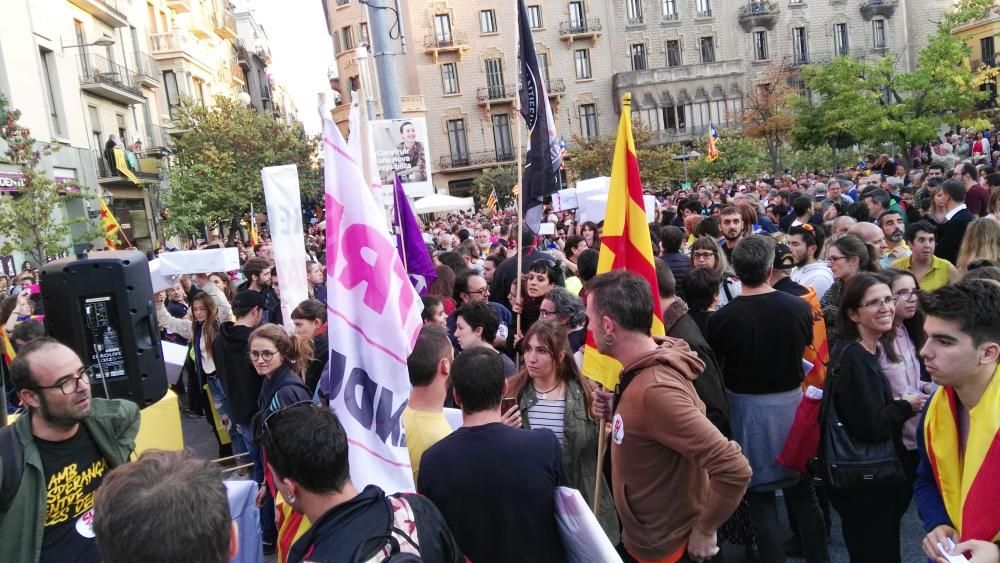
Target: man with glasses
471	287
66	443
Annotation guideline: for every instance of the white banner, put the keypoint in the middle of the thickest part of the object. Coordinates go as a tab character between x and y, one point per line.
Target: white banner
284	221
400	145
374	319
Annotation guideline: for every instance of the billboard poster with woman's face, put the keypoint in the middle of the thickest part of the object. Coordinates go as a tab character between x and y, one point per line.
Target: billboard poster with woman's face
401	148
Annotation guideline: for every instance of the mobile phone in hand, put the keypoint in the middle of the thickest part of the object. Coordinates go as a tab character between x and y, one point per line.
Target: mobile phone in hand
506	404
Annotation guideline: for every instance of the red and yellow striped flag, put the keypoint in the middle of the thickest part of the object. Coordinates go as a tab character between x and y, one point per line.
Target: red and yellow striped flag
109	225
491	202
254	237
625	243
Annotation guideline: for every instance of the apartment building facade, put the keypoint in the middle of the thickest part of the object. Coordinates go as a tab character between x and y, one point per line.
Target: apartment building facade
685	62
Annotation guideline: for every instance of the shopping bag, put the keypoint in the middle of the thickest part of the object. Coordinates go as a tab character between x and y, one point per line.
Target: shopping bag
802	443
582	535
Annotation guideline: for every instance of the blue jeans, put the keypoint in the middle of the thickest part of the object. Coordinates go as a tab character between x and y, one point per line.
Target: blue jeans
269	532
222	406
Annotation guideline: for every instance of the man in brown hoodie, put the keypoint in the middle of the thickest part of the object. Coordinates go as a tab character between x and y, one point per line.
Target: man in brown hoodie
676	478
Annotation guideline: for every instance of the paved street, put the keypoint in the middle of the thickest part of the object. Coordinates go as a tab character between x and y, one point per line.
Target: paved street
199	438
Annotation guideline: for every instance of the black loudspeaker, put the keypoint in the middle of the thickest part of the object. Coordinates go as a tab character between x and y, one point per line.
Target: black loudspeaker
101	306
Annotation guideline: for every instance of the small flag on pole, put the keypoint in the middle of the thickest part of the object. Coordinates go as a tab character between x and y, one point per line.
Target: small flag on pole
254	237
109	225
713	141
491	202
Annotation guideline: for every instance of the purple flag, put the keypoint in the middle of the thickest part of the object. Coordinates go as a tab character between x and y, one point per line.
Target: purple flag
410	243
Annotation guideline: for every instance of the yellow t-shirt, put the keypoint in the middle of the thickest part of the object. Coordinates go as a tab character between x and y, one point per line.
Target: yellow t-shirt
937	277
423	430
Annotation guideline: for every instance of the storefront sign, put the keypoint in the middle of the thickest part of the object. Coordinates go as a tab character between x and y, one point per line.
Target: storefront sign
13	182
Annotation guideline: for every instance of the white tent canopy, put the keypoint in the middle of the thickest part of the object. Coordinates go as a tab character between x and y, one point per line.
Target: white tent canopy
441	203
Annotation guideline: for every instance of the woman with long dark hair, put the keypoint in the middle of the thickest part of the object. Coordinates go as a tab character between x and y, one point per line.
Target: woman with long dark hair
864	403
588	230
847	256
310	321
706	253
552	393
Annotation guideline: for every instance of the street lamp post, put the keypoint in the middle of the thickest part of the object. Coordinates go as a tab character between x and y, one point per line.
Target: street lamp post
684	158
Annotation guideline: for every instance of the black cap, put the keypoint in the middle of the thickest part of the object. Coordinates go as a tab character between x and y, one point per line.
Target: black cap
783	257
248	299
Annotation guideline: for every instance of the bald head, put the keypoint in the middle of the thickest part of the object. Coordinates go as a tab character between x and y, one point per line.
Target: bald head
842	224
870	233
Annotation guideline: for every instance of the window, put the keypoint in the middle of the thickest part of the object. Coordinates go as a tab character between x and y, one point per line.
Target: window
707	45
173	93
651	117
841	45
582	57
878	34
51	80
336	44
704	8
543	67
501	137
673	50
633	11
347	36
442	29
675	119
760	45
95	127
81	39
638	56
588	121
494	78
122	131
458	144
577	17
535	17
487	21
449	78
199	90
988	51
800	45
363	33
670	9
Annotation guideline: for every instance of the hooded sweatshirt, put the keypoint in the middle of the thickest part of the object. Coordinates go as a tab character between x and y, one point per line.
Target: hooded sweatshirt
672	469
242	384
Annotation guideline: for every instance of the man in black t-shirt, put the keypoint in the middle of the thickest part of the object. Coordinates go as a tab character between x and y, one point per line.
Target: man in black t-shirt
759	339
495	485
69	441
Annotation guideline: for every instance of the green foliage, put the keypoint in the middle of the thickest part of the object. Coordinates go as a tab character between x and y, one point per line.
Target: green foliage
590	158
965	11
767	112
739	157
501	179
216	173
845	107
31	220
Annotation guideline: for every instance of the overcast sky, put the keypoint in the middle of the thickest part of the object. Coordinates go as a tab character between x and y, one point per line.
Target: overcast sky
301	52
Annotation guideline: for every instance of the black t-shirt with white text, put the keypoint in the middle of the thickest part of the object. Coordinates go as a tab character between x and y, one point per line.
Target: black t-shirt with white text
74	470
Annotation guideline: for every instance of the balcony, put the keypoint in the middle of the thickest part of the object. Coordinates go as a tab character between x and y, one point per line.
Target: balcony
181	6
412	104
147	71
671	17
496	94
703	13
580	29
555	87
758	14
634	20
236	72
977	65
437	43
143	167
109	80
108	12
225	23
884	8
200	25
180	44
158	141
623	81
472	161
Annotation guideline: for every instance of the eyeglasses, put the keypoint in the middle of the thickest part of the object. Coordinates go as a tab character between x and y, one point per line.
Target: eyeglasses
703	254
265	354
544	313
483	292
908	294
68	383
835	258
876	304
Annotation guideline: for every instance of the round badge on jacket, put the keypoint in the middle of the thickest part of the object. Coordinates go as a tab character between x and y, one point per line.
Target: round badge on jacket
618	429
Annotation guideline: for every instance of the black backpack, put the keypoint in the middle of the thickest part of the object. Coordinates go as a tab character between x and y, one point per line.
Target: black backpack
395	539
13	466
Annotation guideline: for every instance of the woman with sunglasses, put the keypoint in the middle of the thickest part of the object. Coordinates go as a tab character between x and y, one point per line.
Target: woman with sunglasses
282	360
865	404
705	253
900	357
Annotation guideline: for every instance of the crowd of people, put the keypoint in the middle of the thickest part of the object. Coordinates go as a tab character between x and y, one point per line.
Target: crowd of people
877	286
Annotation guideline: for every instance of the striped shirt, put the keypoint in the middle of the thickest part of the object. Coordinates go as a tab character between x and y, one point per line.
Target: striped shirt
548	414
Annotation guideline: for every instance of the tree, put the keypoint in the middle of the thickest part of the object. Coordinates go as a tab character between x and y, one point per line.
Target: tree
591	158
30	220
502	179
767	113
845	109
215	176
739	157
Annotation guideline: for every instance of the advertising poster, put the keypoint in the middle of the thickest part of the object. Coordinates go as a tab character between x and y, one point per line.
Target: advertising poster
400	145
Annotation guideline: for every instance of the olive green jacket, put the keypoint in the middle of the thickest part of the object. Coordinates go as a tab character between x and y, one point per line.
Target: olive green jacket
113	424
579	453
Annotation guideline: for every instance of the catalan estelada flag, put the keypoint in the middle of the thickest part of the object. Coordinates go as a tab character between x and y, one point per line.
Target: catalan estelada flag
969	483
109	225
491	202
713	141
625	243
254	237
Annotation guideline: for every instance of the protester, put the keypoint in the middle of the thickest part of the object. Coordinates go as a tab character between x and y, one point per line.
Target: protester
552	393
817	352
67	442
312	473
476	326
443	287
543	274
892	224
164	495
224	284
259	277
662	442
429	366
981	240
486	463
931	271
472	287
951	199
806	241
567	309
701	287
732	229
961	354
848	256
863	399
316	278
764	393
433	311
705	253
309	318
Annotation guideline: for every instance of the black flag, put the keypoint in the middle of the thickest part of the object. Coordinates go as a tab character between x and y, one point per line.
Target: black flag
541	167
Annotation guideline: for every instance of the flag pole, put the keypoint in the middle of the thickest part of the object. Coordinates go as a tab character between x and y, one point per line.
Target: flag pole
520	170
